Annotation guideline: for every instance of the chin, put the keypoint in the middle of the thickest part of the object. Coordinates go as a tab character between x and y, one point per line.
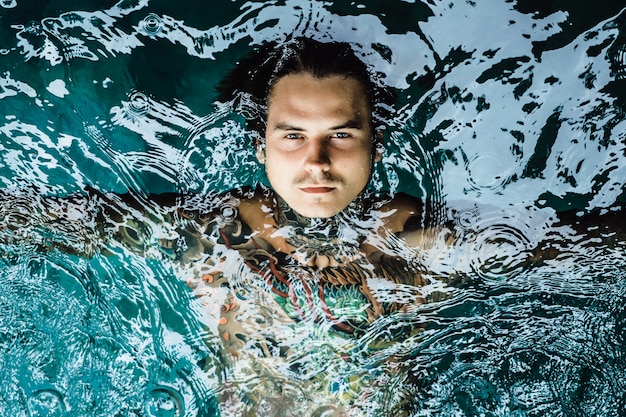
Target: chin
317	212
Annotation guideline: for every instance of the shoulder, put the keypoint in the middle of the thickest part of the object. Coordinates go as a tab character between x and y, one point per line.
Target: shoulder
241	217
401	213
410	219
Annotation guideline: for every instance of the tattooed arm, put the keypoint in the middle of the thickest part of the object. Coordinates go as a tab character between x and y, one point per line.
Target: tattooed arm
87	223
33	221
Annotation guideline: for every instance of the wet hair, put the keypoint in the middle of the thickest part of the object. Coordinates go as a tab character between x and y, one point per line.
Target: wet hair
249	85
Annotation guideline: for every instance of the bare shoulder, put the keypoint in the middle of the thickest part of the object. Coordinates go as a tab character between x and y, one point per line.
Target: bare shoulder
404	216
401	213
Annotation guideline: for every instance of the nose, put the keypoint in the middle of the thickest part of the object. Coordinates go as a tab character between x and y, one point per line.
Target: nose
317	158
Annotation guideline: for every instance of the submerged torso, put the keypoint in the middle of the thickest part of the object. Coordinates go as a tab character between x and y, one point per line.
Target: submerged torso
362	280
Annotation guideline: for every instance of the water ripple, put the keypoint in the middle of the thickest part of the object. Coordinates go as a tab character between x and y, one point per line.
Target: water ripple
152	24
507	126
497	244
138	105
164	402
46	402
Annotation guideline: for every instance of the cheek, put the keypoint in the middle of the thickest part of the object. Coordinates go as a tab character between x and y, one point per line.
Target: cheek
277	169
359	162
356	178
275	161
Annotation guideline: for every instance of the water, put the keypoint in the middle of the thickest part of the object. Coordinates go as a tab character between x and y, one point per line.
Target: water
511	113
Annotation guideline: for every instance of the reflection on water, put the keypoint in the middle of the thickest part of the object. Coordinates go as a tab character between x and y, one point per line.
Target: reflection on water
510	125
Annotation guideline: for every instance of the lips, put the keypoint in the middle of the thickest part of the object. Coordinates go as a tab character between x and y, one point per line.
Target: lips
317	189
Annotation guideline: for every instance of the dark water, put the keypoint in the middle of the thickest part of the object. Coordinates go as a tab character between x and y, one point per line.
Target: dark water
510	114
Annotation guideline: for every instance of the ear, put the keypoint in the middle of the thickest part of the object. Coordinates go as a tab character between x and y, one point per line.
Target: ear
378	153
260	151
378	145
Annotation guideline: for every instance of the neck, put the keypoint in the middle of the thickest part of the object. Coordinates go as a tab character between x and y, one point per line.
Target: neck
329	236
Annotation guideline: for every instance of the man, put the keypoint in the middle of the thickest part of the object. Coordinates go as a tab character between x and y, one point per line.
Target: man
316	122
319	131
323	246
318	118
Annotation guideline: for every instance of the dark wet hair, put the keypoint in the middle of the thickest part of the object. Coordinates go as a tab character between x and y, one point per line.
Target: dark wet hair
250	83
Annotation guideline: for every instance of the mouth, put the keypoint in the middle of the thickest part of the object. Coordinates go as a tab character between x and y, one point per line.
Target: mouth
313	189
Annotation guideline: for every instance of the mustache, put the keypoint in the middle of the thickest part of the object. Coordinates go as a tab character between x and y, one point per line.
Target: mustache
326	179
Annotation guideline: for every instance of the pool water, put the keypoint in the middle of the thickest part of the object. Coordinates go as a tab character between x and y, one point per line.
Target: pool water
510	124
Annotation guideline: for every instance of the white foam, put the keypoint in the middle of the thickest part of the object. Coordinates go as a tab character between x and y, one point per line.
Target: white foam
57	87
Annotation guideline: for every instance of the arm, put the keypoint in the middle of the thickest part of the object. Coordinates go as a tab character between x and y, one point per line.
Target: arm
28	219
402	217
84	224
601	228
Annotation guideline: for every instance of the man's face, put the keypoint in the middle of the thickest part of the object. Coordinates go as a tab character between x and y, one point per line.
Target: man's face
318	154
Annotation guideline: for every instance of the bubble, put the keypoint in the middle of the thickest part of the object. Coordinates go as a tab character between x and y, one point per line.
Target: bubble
152	24
228	212
465	219
164	402
46	403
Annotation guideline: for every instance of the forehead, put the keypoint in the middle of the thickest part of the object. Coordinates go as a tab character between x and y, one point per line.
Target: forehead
304	93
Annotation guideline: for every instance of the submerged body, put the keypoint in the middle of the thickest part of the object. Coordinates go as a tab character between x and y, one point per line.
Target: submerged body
330	279
288	323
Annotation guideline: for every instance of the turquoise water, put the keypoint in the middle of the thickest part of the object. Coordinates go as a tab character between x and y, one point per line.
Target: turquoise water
511	114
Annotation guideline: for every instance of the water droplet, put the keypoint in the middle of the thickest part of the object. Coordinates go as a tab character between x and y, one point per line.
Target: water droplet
46	403
152	24
138	105
164	402
465	219
228	212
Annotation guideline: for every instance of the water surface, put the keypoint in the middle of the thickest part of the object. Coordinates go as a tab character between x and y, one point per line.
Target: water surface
511	113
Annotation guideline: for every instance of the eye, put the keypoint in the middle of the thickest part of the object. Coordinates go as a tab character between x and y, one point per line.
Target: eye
341	135
293	136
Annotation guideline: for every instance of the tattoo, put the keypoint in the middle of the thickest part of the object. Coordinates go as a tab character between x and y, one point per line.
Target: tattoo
338	236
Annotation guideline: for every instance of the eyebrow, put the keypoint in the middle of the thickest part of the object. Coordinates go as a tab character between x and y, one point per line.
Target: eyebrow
284	126
349	124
